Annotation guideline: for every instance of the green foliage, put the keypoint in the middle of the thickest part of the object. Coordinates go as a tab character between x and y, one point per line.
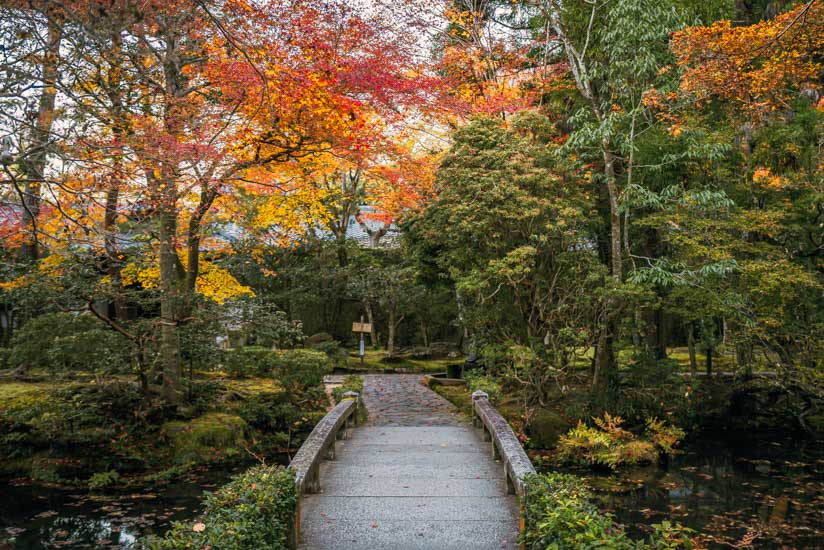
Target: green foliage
103	479
355	384
299	370
246	363
559	515
664	436
65	342
608	444
509	227
72	415
545	428
338	357
254	510
484	383
213	437
264	324
653	388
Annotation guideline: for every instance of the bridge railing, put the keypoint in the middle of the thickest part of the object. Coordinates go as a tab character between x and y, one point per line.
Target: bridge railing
505	444
318	446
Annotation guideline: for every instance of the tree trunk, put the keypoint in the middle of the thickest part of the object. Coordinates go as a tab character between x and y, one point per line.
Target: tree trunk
604	371
170	283
655	333
614	212
35	165
110	244
172	277
390	341
709	360
691	347
373	334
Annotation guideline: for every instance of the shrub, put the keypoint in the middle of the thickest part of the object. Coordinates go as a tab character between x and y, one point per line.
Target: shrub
653	388
545	428
213	437
61	341
300	369
558	514
485	383
318	338
245	363
665	437
254	510
338	358
103	479
608	444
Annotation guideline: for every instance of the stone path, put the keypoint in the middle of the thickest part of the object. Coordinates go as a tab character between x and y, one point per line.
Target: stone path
403	400
416	476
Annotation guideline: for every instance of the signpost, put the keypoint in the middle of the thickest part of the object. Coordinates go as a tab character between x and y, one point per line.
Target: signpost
363	328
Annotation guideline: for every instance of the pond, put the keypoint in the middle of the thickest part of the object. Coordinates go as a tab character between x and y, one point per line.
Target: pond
34	517
735	497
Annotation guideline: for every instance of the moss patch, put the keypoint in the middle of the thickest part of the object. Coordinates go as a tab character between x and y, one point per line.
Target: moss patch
376	361
457	395
18	395
213	437
546	428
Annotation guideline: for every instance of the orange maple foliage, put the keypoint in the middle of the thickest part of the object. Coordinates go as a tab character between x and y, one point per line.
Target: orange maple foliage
756	69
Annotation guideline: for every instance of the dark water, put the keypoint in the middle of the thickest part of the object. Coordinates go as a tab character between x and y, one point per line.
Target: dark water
34	517
745	497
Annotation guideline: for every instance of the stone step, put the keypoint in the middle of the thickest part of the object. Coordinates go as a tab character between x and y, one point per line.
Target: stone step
475	468
320	508
341	483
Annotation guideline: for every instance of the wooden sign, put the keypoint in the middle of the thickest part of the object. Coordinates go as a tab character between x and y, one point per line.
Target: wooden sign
361	327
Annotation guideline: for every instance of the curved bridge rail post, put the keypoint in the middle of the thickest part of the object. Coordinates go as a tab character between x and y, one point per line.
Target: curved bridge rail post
505	446
318	446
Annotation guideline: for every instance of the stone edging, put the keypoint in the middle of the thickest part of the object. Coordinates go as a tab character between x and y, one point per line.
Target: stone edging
320	445
505	444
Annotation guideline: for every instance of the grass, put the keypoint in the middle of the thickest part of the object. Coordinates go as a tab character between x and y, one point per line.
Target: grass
722	360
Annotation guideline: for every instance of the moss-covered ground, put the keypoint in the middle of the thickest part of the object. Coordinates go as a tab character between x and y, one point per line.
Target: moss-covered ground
76	431
379	361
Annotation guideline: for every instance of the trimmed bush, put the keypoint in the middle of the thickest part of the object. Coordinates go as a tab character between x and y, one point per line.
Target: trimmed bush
318	338
254	510
559	515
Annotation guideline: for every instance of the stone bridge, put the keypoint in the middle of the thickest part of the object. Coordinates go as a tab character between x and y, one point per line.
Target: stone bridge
416	475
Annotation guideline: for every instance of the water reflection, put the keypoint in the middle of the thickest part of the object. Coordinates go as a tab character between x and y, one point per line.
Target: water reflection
736	497
34	517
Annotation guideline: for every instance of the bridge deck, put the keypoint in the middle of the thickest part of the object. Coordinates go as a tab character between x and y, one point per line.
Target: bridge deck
416	476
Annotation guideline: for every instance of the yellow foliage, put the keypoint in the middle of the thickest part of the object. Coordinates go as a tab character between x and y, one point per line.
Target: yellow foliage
213	282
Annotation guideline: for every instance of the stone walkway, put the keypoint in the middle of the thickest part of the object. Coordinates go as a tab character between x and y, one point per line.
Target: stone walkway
415	476
403	400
